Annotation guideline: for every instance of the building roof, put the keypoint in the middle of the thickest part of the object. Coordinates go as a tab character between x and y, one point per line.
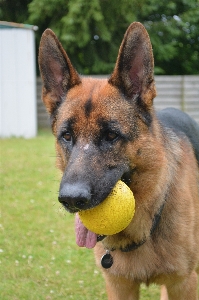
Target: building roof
4	24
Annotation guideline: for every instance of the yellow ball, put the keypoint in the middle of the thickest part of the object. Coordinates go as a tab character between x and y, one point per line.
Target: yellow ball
112	215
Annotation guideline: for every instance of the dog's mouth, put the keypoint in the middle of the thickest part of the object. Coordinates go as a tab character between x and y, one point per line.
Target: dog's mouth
126	177
85	237
86	193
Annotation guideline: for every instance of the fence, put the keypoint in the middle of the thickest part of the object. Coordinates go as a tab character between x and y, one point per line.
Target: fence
181	92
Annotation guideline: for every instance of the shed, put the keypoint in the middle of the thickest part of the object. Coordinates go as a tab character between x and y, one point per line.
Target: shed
17	80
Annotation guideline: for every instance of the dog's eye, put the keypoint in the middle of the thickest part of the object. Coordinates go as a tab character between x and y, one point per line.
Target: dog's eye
66	136
111	136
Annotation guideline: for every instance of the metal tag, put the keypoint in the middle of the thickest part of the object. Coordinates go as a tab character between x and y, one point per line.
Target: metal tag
107	260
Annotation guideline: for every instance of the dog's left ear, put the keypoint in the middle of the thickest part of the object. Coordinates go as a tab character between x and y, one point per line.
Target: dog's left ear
133	73
57	72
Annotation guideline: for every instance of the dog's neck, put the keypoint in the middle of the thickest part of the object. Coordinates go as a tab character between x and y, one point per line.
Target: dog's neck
134	245
107	259
154	226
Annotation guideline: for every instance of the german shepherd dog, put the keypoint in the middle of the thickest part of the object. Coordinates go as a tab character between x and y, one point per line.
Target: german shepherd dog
107	130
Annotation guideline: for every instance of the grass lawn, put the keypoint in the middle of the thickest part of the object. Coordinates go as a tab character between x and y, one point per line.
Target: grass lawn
38	255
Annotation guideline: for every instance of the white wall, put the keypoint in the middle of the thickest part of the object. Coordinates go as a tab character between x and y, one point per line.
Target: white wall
17	83
181	92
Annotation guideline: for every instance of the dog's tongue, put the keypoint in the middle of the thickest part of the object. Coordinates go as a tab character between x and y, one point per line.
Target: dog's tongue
84	237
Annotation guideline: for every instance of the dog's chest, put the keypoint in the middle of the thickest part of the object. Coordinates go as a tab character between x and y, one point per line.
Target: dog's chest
142	264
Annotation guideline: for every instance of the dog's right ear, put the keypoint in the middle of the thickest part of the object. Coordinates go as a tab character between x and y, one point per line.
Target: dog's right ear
133	73
57	72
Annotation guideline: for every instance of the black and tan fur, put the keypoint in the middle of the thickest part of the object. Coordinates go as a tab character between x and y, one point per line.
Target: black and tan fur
107	130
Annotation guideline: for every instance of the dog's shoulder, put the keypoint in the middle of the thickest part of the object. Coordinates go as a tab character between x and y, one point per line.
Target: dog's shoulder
181	123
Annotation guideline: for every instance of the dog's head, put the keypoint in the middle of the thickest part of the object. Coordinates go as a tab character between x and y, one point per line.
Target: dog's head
101	126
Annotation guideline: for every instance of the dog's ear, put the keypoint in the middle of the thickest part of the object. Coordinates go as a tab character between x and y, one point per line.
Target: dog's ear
57	72
133	73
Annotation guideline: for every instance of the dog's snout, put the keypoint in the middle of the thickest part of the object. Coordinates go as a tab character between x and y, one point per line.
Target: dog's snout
74	197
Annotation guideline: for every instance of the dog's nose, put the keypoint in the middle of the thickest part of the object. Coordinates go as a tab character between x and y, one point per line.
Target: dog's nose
74	197
73	202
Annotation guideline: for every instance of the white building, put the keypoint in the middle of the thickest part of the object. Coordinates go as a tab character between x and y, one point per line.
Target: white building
17	80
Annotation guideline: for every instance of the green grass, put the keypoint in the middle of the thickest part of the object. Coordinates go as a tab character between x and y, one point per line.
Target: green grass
38	255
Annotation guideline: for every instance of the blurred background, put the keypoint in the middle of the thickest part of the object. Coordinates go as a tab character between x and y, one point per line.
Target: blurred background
91	31
38	256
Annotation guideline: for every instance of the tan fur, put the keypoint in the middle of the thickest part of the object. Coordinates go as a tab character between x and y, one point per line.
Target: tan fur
164	167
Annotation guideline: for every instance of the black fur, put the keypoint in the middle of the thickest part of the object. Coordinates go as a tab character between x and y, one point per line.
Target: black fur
88	107
181	123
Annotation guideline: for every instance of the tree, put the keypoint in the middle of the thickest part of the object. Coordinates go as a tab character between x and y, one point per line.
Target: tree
90	31
174	31
14	10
